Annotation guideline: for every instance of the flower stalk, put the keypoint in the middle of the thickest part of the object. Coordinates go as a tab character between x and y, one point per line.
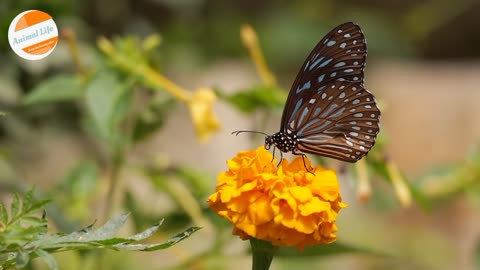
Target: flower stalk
262	254
399	184
71	41
364	190
250	41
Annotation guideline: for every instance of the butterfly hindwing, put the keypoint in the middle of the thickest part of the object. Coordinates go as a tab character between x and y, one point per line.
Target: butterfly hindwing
340	121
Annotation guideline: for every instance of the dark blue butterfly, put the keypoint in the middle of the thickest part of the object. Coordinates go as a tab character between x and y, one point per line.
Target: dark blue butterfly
328	111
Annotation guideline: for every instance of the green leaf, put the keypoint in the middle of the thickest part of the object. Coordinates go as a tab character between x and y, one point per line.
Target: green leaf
152	247
258	97
147	233
196	180
80	181
48	258
22	259
109	229
3	214
16	205
35	221
58	88
31	241
36	206
107	100
28	199
152	118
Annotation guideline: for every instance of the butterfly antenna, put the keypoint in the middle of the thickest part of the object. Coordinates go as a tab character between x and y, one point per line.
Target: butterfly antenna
248	131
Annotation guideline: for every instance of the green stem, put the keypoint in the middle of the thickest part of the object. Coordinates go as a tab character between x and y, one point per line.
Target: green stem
117	161
262	254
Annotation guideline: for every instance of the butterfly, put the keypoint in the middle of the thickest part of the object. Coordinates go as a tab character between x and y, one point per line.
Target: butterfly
328	111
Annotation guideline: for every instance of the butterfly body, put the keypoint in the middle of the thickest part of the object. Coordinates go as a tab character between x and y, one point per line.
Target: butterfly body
328	111
283	142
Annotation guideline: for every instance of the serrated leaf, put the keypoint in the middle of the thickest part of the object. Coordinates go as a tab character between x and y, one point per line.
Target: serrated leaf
36	206
147	233
47	258
34	221
34	244
3	214
109	229
152	247
58	88
28	199
16	205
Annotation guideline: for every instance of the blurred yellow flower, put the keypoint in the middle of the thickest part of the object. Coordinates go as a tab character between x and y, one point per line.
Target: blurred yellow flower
200	101
250	41
286	206
200	104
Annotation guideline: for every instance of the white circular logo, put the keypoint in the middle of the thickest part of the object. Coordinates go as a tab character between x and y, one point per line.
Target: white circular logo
33	34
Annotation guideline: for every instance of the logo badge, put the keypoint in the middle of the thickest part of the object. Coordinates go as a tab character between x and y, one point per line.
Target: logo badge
33	34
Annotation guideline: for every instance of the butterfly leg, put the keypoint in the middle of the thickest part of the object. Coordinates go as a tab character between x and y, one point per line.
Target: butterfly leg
281	158
304	163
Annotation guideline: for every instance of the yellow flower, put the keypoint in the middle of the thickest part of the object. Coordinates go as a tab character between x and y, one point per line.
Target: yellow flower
201	109
287	206
200	101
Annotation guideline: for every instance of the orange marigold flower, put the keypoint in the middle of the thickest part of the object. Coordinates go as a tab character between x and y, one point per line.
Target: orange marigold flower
285	205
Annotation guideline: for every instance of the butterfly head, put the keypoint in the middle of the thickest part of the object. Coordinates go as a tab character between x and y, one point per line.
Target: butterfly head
268	142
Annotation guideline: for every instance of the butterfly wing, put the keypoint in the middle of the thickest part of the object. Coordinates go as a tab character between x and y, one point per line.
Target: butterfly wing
340	55
341	121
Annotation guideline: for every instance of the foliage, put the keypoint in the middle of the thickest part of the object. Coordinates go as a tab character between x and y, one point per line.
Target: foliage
113	95
23	235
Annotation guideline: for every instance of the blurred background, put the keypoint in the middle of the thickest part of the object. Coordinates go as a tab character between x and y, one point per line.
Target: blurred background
100	136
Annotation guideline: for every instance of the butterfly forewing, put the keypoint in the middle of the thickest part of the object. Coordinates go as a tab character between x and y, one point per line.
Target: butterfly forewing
339	56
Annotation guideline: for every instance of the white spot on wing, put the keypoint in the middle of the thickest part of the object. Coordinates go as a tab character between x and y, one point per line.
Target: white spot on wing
326	62
320	78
